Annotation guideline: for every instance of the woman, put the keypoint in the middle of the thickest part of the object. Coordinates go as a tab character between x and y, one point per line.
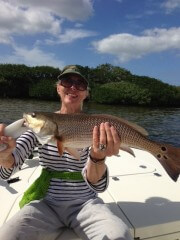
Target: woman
71	203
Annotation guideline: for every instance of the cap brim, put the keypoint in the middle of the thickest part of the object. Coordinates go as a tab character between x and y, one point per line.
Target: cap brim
71	72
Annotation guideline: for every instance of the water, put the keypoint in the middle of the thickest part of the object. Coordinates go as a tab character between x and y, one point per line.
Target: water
163	124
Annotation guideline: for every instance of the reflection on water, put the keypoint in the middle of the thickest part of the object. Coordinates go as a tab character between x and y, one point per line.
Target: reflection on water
163	124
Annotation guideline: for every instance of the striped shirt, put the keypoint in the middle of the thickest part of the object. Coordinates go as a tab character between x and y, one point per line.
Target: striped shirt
59	189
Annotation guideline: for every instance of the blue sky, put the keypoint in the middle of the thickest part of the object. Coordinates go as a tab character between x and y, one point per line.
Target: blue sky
142	36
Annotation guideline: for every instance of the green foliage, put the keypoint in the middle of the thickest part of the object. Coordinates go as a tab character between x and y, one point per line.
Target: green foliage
43	80
44	89
15	80
106	73
121	93
44	72
161	94
109	84
20	81
4	87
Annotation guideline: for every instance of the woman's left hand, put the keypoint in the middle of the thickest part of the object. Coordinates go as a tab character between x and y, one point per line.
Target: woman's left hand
106	141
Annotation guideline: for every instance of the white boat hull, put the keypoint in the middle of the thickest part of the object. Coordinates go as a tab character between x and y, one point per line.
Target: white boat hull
140	192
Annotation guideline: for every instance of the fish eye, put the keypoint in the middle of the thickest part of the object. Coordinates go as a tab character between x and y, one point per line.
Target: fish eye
33	115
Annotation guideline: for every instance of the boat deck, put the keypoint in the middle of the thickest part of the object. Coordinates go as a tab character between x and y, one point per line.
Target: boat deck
140	192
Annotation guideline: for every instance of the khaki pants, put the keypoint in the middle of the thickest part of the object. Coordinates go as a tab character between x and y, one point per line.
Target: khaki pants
44	220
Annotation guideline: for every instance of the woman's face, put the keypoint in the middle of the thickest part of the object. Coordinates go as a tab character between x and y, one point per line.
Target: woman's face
71	96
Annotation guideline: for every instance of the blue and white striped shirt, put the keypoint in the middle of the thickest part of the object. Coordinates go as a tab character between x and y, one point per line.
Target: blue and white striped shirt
59	189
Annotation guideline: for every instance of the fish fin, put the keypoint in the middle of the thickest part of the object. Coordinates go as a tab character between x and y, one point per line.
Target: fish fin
169	157
60	147
127	149
131	124
74	152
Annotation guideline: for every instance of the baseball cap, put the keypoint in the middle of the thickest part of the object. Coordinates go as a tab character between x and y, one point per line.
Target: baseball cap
71	69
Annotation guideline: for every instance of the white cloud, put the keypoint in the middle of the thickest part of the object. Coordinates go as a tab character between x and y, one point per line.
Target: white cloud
141	15
127	46
78	25
5	37
31	57
69	9
71	35
171	5
18	21
22	17
27	18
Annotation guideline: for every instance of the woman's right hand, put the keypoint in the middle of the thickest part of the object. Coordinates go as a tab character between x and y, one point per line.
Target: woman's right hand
6	157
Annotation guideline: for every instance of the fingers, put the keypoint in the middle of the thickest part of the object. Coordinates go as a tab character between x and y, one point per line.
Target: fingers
113	141
102	138
6	141
116	140
9	140
98	133
106	135
7	144
95	138
2	127
109	139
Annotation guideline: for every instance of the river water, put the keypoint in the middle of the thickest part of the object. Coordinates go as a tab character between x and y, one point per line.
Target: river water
162	124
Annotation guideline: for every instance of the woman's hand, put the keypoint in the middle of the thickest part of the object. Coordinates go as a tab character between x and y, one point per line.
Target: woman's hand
106	142
6	158
106	136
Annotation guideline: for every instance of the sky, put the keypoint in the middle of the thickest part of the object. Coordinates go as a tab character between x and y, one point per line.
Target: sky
142	36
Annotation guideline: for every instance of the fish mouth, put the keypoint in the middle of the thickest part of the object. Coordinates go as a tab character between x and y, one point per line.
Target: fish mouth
25	122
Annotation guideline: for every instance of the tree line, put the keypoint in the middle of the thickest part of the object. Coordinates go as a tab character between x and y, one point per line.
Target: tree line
108	85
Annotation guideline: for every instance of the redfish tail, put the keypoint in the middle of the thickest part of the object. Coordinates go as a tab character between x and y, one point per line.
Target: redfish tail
169	157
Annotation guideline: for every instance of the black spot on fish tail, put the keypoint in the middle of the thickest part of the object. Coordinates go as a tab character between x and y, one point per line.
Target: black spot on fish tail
163	149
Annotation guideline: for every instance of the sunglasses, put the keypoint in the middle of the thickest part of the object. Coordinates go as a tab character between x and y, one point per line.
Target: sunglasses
79	84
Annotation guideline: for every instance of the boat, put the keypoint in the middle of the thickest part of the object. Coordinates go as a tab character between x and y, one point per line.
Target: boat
140	192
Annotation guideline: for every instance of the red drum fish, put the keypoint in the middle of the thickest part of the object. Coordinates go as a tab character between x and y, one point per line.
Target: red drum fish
72	131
